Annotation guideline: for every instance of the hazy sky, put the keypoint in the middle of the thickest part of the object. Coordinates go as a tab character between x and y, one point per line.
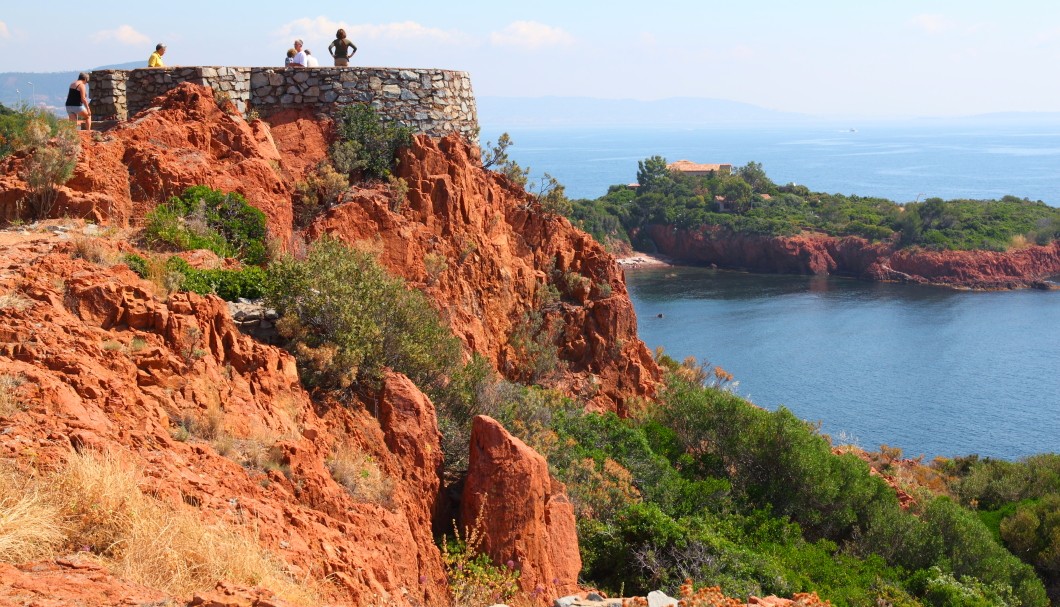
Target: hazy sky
863	58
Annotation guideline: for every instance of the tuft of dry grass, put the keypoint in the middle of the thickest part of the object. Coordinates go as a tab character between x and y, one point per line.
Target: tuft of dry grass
29	524
15	301
163	280
96	505
1019	241
361	475
93	250
9	400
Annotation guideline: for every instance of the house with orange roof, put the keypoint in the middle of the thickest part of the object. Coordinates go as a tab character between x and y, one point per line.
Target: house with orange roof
687	167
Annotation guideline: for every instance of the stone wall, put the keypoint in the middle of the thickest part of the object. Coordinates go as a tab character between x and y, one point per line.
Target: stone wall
431	101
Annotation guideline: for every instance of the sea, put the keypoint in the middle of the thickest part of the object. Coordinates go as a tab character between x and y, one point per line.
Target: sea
932	371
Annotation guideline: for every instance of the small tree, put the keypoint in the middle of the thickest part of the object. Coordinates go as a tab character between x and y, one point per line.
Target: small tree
345	319
367	143
53	151
497	156
652	174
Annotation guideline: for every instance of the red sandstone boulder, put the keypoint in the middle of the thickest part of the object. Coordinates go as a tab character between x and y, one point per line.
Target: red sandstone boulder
523	513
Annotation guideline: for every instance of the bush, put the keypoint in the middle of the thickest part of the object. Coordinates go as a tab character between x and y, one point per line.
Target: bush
366	143
204	218
346	319
52	148
321	190
229	285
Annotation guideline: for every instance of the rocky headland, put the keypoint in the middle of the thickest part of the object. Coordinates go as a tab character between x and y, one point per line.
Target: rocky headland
852	256
215	422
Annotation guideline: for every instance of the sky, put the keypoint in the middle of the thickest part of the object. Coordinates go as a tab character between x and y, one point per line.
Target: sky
849	58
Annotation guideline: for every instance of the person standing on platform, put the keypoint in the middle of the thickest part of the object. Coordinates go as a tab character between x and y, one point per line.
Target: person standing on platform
341	49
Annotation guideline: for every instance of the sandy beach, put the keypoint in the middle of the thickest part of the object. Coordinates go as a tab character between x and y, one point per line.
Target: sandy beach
644	260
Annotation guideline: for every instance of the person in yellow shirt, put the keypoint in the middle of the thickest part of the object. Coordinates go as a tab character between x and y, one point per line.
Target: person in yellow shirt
156	57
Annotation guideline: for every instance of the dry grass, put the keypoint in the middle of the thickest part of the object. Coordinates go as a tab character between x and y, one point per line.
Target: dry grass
1018	242
258	451
361	475
15	301
94	250
29	524
163	280
9	400
96	503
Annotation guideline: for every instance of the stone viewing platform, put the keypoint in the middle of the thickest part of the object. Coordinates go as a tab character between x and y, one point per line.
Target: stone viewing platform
431	101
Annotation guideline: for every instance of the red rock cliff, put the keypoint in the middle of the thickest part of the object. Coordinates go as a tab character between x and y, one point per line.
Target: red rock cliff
495	249
524	514
854	256
107	366
498	252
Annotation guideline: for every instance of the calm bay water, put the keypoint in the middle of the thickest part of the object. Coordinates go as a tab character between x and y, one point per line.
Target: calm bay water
933	371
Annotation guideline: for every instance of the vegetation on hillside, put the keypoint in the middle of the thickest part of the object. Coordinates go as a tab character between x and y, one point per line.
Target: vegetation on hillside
1020	503
748	202
50	147
699	485
204	218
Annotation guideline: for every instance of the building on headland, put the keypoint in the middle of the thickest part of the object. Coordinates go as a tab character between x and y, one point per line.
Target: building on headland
688	167
431	101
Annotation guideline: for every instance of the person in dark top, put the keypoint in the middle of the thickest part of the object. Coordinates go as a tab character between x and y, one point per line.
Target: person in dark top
77	101
341	49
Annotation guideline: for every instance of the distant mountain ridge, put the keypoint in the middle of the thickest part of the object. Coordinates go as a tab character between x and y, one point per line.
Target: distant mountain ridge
48	88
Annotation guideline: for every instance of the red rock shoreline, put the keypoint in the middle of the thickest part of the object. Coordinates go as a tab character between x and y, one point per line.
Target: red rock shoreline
818	254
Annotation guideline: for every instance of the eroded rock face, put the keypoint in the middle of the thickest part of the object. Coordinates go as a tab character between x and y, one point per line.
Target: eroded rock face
854	256
523	513
477	244
484	254
106	365
187	139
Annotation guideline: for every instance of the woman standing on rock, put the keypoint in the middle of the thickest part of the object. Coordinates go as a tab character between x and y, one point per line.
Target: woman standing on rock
341	49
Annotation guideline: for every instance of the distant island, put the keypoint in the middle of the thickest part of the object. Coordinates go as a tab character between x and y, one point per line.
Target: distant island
739	218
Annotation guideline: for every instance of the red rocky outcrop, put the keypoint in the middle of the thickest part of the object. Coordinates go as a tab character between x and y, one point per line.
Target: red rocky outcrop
498	252
522	512
856	257
492	250
187	138
109	366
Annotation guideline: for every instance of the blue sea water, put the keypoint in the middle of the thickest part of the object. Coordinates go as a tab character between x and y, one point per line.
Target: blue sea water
933	371
901	161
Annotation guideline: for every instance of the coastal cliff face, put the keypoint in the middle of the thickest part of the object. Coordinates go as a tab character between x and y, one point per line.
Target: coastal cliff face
172	385
498	255
854	256
218	423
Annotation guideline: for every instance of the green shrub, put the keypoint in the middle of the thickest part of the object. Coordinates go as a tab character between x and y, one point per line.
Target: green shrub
51	147
229	285
137	264
204	218
346	319
367	143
